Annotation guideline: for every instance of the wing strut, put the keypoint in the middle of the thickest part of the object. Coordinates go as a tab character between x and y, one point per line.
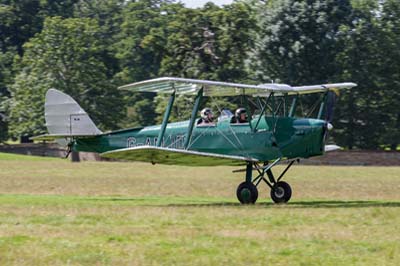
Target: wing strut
263	111
246	103
165	119
193	117
294	105
322	106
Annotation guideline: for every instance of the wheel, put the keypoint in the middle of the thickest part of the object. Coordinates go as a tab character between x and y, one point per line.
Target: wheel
281	192
247	193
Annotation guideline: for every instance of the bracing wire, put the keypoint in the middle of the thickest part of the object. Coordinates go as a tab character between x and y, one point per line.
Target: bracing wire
230	128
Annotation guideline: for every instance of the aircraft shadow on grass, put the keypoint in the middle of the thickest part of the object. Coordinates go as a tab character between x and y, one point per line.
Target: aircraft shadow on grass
299	204
296	204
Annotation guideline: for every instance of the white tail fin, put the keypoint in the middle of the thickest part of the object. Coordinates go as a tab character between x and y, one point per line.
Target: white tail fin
64	116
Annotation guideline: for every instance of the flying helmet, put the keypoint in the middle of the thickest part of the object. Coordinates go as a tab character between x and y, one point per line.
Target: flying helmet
205	112
240	111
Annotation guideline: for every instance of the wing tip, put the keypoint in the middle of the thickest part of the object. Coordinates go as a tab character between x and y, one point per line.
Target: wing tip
333	147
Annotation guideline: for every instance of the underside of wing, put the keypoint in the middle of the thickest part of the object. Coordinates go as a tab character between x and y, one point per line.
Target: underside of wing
174	156
219	88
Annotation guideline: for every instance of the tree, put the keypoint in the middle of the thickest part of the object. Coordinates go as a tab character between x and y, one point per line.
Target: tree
19	21
22	19
6	75
368	116
66	55
297	42
390	73
208	43
141	43
139	50
108	14
315	42
358	61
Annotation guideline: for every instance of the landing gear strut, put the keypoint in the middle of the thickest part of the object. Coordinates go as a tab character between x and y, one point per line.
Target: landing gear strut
247	192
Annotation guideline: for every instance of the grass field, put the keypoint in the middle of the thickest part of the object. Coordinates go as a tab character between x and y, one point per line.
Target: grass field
53	212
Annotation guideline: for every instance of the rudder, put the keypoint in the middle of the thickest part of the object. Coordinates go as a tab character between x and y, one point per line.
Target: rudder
64	116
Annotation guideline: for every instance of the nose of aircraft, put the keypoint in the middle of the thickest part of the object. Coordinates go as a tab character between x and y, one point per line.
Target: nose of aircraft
309	137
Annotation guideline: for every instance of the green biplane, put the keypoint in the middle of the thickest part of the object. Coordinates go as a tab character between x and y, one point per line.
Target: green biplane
271	136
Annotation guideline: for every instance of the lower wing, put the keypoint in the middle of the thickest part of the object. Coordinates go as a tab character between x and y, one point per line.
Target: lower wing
175	156
329	148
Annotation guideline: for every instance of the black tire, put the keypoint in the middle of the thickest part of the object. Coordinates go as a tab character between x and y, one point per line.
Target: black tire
281	192
247	193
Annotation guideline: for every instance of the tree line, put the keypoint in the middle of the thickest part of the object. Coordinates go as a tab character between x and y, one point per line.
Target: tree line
87	48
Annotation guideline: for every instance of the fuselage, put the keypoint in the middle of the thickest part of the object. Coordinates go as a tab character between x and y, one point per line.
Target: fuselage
274	137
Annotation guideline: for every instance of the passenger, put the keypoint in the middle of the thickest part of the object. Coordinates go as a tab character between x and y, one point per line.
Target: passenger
240	116
207	118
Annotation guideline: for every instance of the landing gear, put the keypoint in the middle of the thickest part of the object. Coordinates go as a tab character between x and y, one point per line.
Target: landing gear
281	192
247	192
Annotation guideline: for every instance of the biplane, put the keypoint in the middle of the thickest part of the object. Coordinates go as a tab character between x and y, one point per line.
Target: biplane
272	135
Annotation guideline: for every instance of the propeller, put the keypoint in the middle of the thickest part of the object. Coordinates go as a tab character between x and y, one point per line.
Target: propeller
330	105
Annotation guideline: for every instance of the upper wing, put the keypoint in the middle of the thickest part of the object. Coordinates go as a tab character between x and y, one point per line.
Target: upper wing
218	88
323	87
175	156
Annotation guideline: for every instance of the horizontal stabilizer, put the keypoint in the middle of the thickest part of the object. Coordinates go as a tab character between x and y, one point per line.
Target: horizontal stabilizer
170	156
332	148
50	137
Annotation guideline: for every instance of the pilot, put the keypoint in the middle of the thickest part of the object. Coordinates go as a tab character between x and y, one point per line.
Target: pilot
241	116
207	117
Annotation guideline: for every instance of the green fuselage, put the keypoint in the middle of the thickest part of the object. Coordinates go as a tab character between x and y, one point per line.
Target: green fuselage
279	137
